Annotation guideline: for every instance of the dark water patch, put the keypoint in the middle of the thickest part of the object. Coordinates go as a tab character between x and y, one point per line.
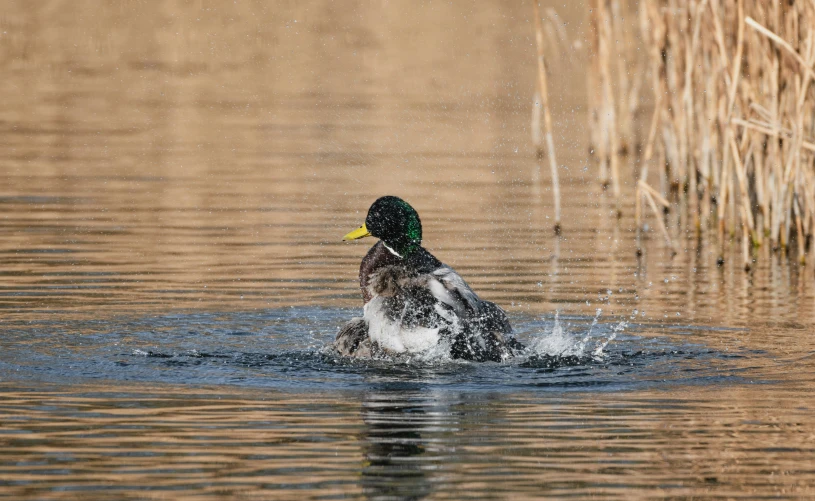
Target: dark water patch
288	350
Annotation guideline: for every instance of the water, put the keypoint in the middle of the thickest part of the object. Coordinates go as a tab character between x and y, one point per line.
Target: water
174	184
243	404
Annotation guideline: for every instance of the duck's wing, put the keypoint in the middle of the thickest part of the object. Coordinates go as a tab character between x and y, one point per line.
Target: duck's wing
449	288
485	331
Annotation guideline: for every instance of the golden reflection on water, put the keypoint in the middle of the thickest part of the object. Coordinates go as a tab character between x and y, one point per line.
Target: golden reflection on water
205	155
185	155
406	444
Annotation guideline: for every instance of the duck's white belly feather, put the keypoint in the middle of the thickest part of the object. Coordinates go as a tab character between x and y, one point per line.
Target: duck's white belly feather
392	337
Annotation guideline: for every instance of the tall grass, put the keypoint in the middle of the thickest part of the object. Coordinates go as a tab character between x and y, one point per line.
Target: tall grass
733	123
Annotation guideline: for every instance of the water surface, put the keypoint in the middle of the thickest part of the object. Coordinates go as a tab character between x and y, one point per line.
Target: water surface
175	179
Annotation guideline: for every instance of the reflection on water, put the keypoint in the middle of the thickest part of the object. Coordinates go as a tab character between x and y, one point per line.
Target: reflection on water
247	405
398	458
175	178
404	442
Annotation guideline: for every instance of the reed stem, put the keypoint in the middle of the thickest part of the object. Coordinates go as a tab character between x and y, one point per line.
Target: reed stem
547	117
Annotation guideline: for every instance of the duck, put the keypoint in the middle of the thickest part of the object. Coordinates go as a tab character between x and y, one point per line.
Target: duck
413	303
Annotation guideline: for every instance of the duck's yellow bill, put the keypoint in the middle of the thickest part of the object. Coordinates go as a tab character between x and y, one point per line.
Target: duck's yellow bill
360	232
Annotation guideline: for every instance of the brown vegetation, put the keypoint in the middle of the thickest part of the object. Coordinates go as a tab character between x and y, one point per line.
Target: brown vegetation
733	124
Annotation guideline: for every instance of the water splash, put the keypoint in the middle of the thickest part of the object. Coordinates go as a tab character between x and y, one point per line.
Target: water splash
582	344
559	342
555	343
598	354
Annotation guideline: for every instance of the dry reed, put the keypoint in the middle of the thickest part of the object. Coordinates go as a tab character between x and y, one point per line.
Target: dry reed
543	98
733	125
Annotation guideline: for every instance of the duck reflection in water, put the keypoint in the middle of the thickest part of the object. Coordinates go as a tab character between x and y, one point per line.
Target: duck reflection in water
399	451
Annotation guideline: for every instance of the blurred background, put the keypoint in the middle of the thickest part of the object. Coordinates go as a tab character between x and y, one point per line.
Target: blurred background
187	154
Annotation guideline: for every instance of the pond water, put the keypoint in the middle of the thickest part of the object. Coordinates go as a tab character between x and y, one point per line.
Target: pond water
175	179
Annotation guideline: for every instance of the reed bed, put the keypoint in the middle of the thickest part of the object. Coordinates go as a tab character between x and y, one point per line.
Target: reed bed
732	130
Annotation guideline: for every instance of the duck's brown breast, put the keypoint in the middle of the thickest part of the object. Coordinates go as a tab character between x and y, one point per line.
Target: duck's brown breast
377	257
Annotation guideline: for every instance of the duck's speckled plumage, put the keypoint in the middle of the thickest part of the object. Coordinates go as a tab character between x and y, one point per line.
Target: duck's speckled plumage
420	261
413	302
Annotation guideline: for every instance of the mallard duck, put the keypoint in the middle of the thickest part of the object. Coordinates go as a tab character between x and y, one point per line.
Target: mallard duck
413	303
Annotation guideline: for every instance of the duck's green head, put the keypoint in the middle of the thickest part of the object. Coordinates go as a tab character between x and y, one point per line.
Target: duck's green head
393	221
